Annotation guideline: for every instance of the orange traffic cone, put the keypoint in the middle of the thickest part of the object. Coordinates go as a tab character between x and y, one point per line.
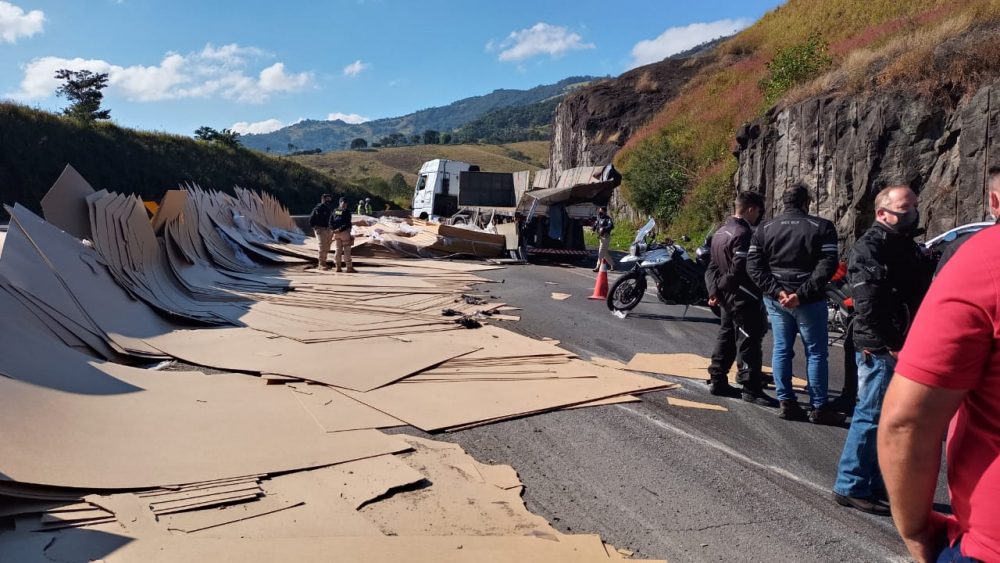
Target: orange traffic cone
601	284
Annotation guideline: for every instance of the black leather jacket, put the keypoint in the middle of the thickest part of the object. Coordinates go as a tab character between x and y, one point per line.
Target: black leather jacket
888	275
794	252
320	216
727	276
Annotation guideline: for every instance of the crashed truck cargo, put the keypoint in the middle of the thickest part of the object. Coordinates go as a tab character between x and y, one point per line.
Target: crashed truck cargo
279	454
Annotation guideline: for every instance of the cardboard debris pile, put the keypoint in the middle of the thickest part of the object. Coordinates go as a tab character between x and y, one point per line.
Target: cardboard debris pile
415	238
279	457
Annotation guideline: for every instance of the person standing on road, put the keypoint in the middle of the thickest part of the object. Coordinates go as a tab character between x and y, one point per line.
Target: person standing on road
365	206
791	259
743	322
319	220
603	226
888	274
949	372
340	224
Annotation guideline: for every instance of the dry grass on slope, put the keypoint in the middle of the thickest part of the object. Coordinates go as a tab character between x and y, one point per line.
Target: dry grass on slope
386	162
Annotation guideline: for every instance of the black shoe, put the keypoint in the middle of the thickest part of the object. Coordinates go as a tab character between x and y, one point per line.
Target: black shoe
597	269
790	410
826	415
844	404
866	505
721	388
758	398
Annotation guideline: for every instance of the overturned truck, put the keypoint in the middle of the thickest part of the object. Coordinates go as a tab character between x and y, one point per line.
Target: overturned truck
536	213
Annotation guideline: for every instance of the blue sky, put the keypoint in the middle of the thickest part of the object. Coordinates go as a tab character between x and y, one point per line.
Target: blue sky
176	65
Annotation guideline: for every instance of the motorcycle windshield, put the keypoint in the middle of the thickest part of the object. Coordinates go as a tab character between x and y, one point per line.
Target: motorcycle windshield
641	234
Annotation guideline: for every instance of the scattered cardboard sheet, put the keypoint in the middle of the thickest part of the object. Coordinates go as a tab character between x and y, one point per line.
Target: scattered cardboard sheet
434	406
465	498
388	549
349	364
181	428
691	366
336	412
561	296
677	402
65	204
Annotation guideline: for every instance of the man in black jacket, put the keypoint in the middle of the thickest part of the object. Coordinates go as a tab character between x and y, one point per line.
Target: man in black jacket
791	259
340	224
743	320
319	220
889	275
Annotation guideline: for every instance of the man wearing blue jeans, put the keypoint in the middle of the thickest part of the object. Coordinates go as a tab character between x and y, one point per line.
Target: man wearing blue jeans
791	259
888	275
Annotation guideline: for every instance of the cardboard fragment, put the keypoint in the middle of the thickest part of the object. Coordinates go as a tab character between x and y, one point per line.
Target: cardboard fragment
561	296
677	402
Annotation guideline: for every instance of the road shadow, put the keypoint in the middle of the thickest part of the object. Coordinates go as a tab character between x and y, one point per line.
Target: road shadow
688	319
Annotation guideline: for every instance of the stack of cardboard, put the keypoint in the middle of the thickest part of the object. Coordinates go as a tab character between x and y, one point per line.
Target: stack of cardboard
416	238
110	460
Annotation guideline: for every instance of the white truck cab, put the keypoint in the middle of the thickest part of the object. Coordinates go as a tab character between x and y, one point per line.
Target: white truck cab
436	193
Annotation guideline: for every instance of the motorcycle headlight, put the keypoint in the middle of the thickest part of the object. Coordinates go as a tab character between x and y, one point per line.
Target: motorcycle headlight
634	250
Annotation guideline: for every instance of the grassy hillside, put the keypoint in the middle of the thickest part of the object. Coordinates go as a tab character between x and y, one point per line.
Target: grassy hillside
679	167
35	146
355	166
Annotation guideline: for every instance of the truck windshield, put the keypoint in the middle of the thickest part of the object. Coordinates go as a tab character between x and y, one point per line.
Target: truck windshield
421	182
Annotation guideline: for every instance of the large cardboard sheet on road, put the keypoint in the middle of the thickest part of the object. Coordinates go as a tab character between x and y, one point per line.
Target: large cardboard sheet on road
175	428
433	406
361	365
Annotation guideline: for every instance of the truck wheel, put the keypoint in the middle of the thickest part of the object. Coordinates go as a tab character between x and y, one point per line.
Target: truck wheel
458	221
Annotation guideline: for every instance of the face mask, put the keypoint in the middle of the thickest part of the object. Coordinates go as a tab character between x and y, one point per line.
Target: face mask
906	221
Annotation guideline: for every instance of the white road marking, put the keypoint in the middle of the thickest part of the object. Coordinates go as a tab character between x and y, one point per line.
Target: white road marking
726	450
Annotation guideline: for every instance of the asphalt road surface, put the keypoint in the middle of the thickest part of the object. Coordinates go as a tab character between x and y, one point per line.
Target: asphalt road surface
668	482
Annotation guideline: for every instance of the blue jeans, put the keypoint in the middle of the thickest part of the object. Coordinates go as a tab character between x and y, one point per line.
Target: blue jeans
808	321
953	554
858	474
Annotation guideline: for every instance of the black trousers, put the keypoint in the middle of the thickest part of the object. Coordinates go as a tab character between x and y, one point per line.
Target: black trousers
740	338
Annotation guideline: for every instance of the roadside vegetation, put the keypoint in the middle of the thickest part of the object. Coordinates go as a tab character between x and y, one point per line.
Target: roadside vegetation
36	145
798	50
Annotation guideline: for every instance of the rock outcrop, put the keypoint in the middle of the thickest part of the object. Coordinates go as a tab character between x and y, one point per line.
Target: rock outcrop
846	149
594	122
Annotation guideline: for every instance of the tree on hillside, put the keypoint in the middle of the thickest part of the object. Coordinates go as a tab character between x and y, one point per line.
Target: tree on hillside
432	137
359	143
83	89
225	137
414	139
445	138
398	186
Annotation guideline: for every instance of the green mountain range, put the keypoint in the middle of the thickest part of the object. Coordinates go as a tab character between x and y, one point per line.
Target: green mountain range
337	135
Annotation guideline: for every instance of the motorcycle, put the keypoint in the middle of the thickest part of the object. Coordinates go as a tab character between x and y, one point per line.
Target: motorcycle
679	279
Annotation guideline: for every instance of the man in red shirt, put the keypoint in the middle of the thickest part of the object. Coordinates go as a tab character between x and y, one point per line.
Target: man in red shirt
949	371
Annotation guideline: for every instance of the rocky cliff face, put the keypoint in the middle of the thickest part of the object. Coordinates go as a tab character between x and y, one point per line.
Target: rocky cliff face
846	149
594	122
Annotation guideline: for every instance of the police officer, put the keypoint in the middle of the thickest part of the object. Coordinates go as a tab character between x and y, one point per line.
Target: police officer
889	276
791	259
743	321
319	220
340	224
603	226
365	206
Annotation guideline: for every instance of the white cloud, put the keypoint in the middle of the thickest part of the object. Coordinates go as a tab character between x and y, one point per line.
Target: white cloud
347	117
539	39
678	39
15	23
355	68
214	71
257	127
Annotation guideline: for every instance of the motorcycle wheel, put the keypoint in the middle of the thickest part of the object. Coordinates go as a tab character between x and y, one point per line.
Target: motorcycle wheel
627	291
